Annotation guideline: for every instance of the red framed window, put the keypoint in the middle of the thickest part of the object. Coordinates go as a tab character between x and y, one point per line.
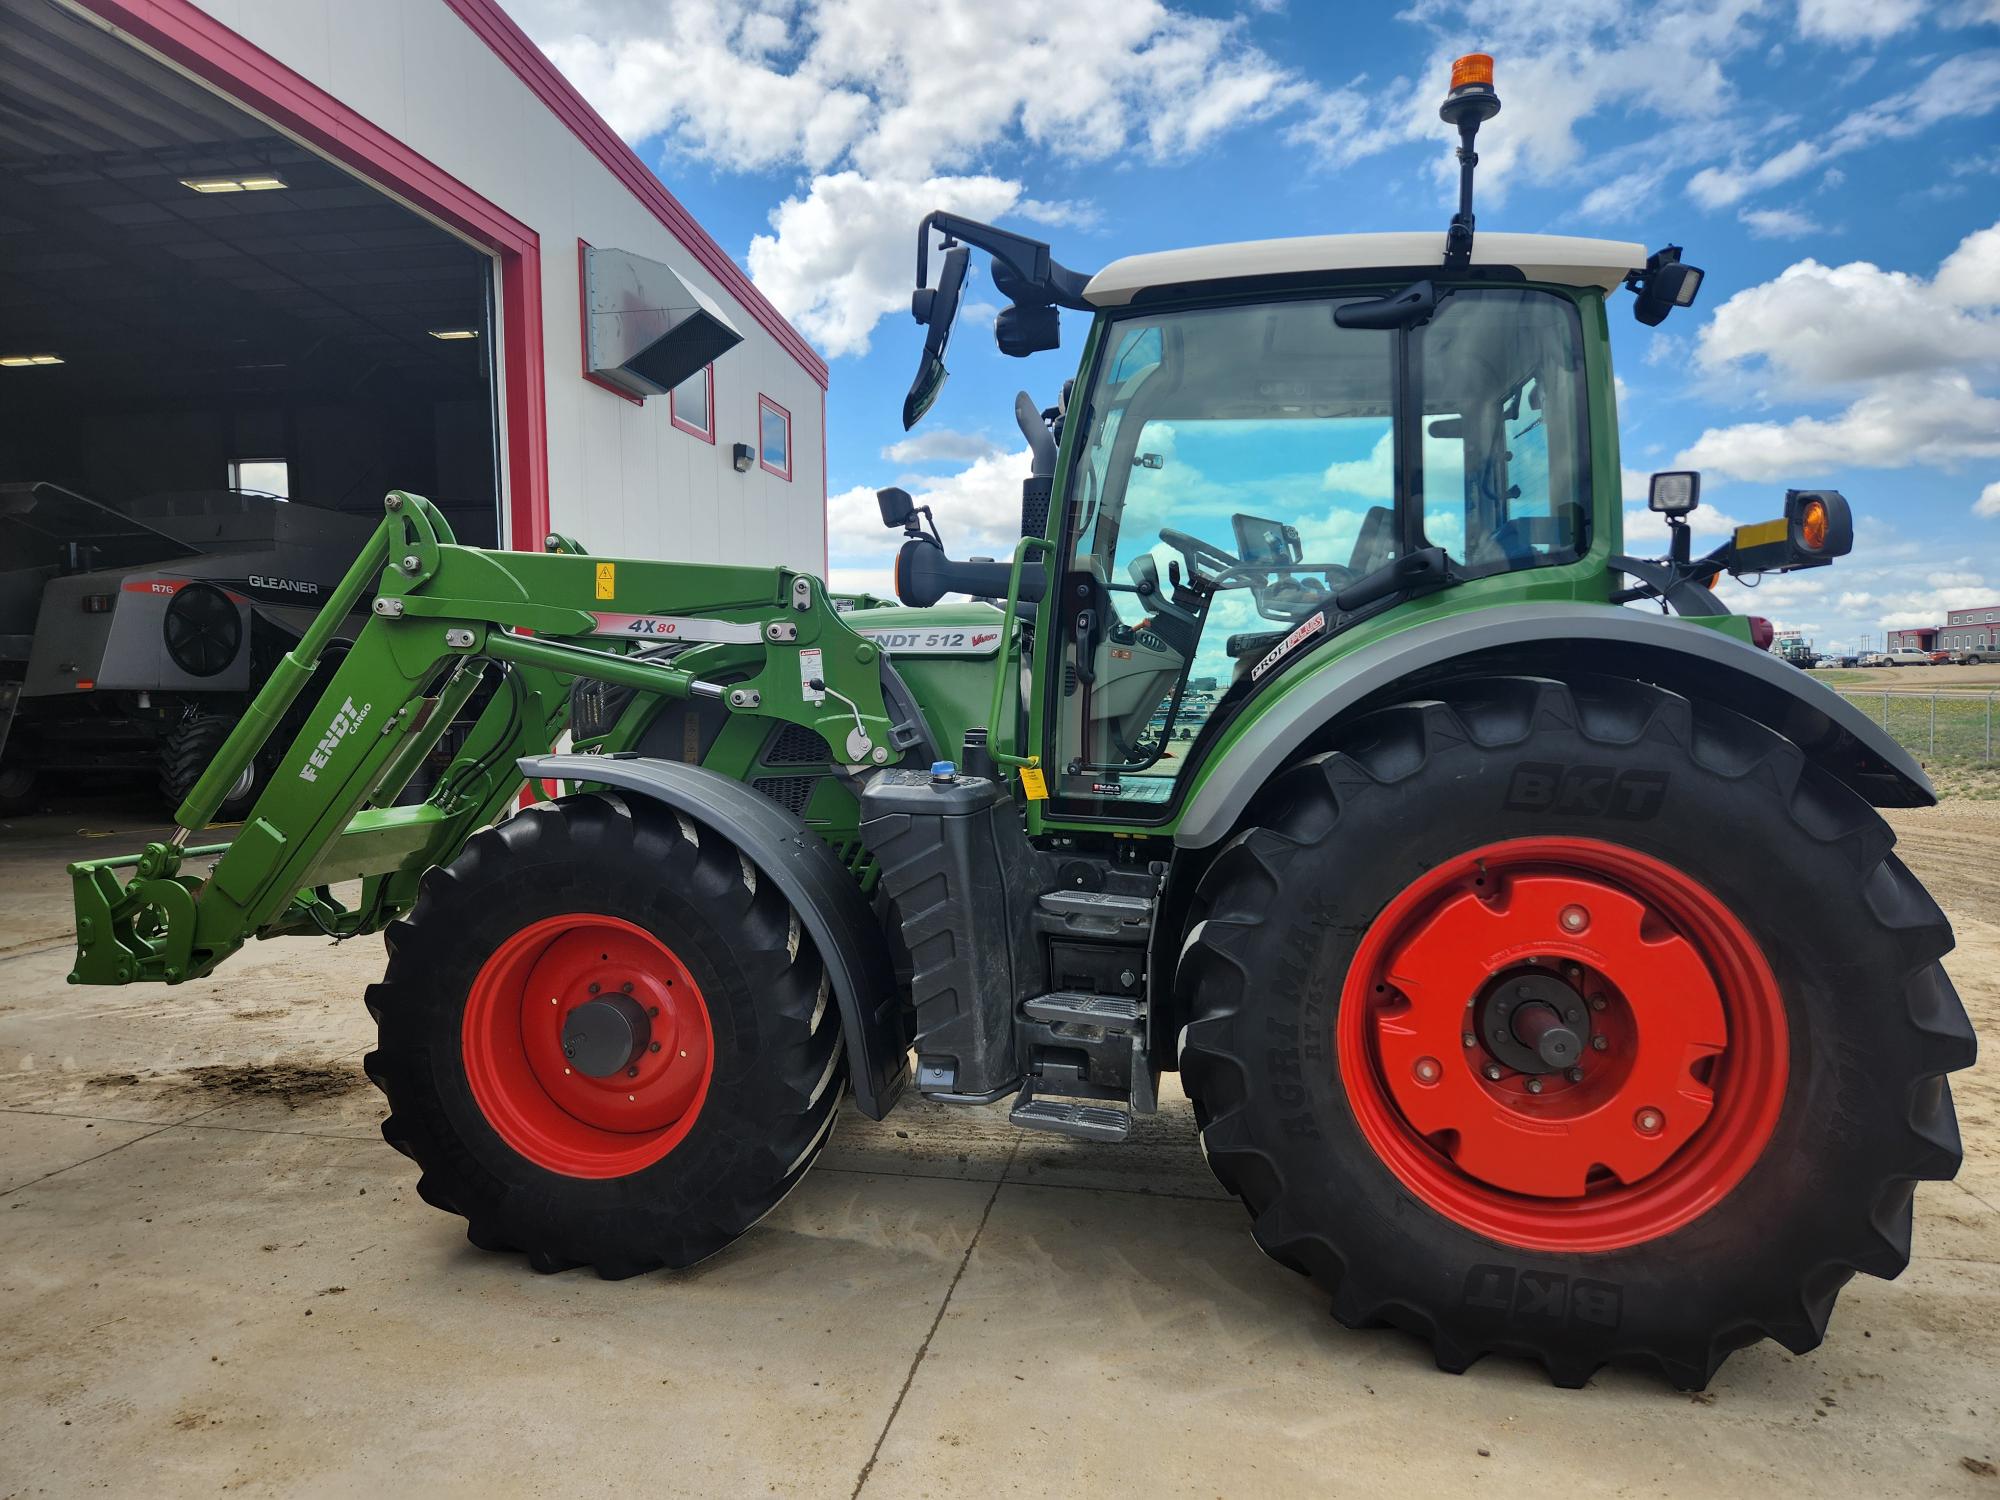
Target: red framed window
774	438
692	404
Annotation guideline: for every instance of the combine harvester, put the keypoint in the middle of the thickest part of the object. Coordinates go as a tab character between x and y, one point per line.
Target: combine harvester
1539	969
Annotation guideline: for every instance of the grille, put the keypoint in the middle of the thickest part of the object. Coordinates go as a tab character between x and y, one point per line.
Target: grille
792	793
795	745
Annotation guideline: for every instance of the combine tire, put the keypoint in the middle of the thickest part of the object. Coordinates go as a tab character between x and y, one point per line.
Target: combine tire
605	1038
1578	1023
185	752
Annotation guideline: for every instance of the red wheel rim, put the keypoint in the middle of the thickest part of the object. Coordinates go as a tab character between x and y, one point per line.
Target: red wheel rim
1680	1084
557	1116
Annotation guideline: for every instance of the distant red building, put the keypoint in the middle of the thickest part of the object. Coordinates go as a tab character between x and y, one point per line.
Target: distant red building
1974	629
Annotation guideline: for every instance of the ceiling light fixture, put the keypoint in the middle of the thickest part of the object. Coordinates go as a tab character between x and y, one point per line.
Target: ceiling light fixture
255	182
18	361
454	333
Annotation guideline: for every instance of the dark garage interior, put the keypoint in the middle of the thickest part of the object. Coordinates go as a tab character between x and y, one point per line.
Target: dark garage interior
229	309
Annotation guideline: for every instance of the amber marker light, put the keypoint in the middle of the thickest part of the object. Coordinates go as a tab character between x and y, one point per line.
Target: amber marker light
1473	68
1812	525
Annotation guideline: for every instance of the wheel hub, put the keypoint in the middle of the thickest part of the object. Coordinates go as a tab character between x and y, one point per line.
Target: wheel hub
1546	1036
606	1035
588	1045
1533	1022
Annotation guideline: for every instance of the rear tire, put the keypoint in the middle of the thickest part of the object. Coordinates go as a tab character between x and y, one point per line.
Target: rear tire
1827	1096
721	1121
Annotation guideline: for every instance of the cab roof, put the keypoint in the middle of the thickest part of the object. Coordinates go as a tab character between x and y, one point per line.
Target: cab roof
1560	259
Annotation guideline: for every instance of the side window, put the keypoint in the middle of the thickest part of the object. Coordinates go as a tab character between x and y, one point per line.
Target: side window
774	437
692	404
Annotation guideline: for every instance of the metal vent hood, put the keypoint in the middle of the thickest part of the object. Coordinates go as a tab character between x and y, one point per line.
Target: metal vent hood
647	330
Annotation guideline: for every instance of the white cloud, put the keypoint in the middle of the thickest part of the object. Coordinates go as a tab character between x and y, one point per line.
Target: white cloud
840	258
1906	419
1847	22
1962	87
940	445
889	111
1910	347
1819	326
1777	223
977	510
1988	503
1558	67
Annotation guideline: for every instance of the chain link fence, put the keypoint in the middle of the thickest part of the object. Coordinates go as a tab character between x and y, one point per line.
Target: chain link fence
1944	726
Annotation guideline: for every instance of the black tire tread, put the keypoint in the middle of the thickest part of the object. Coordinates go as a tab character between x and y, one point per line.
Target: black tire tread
801	1077
1302	806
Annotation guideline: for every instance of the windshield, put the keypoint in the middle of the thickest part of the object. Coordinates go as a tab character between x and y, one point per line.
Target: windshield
1245	465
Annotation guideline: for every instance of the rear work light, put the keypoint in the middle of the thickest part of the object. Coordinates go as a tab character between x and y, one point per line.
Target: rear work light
99	604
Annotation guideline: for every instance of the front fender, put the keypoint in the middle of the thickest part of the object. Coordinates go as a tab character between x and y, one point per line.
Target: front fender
794	858
1557	640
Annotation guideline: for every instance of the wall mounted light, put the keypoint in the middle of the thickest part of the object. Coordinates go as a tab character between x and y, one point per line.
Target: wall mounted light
454	333
742	455
20	361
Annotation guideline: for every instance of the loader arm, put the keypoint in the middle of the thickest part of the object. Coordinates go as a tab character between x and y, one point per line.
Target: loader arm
446	618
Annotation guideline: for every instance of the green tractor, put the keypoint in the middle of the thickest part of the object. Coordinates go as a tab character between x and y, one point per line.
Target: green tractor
1539	969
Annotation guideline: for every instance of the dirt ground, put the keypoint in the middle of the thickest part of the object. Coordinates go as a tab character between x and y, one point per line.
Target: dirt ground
215	1276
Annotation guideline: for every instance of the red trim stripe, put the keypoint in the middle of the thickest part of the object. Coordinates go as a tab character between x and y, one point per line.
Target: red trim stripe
532	66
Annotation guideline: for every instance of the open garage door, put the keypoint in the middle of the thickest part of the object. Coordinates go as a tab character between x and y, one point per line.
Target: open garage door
231	311
217	334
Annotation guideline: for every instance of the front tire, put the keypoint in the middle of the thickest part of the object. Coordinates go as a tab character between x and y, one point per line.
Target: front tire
1750	979
729	1066
185	752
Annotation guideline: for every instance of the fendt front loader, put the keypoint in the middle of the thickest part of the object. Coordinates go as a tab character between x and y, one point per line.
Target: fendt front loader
1539	968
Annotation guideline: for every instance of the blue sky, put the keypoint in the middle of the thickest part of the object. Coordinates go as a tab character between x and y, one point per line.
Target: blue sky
1834	165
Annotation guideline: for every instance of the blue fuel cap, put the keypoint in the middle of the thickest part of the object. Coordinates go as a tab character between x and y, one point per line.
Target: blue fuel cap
943	770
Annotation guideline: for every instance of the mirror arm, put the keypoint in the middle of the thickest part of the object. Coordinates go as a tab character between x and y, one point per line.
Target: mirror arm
1028	259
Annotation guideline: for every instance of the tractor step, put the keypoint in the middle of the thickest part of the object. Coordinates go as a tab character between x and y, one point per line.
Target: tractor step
1102	905
1074	1117
1112	1012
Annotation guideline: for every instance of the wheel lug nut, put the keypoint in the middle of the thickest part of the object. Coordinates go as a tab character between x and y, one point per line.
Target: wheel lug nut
652	1010
1576	1075
655	1047
1649	1121
1492	1071
1599	1043
595	987
626	987
1597	1002
1534	1085
631	1072
1471	1040
1427	1070
1574	919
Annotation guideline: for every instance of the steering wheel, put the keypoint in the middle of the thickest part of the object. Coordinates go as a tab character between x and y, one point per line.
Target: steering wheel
1196	551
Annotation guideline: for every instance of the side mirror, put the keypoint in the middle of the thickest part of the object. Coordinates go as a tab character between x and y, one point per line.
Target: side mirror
934	307
896	506
1674	493
1667	282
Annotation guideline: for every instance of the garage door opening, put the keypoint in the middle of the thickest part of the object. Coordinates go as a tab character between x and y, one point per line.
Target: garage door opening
207	306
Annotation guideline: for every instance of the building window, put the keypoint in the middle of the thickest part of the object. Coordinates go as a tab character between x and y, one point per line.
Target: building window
692	404
263	476
774	437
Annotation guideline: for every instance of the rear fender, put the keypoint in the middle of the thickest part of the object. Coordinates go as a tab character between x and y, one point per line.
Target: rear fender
820	888
1562	641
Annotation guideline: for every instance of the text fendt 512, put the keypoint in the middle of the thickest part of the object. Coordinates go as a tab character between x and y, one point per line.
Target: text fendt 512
1539	968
